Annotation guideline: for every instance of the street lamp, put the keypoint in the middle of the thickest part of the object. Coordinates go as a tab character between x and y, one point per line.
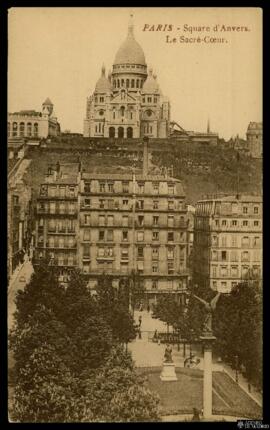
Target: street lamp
236	368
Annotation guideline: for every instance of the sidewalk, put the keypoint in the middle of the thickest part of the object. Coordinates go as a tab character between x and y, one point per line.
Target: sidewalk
243	383
25	269
15	275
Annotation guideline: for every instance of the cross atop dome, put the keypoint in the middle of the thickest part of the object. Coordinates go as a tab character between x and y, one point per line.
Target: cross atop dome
130	25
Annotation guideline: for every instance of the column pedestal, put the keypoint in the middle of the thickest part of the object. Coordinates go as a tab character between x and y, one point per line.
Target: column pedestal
168	372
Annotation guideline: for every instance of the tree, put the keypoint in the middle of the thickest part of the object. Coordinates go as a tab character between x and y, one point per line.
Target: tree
117	394
69	362
46	391
113	307
42	328
173	313
43	289
238	328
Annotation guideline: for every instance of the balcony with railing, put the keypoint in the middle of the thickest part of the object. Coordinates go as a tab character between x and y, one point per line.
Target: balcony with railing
59	212
61	246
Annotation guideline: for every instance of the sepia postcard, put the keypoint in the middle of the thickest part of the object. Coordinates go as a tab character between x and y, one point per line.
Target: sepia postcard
135	149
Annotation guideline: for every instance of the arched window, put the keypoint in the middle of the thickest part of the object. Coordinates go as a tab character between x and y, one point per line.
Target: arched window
113	113
127	83
29	129
8	129
141	83
114	83
122	110
111	132
22	129
132	83
122	82
14	129
118	83
129	132
137	83
36	129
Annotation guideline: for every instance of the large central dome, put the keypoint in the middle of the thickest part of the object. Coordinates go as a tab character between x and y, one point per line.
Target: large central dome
130	52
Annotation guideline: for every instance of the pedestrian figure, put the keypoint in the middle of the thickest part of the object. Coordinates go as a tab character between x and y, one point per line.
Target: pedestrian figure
196	415
141	307
140	334
158	340
155	337
140	321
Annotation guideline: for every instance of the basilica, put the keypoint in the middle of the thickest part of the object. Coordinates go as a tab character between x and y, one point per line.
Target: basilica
127	103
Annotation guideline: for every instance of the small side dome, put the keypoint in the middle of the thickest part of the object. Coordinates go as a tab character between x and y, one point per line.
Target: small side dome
150	86
103	85
47	102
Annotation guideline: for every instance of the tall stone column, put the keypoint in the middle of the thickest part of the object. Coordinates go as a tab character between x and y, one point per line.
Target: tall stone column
207	376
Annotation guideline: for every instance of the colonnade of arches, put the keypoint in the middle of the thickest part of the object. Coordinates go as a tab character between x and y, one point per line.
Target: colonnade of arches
21	129
119	132
128	83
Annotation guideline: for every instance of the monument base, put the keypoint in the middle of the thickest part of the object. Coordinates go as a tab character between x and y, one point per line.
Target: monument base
168	372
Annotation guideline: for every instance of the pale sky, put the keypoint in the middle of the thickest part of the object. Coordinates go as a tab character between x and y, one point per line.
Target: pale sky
58	53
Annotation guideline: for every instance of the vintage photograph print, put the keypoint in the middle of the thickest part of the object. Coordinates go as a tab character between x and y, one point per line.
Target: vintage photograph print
135	145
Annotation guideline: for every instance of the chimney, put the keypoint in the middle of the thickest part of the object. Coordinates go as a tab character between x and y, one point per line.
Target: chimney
145	155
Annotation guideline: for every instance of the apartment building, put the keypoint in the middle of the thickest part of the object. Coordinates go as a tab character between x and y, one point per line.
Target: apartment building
115	224
19	222
57	220
227	241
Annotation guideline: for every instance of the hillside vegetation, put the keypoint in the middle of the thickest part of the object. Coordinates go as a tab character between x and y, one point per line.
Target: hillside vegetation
208	169
203	169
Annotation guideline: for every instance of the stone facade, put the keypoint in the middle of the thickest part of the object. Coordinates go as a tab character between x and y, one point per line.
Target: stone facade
33	124
19	218
128	102
227	241
116	224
